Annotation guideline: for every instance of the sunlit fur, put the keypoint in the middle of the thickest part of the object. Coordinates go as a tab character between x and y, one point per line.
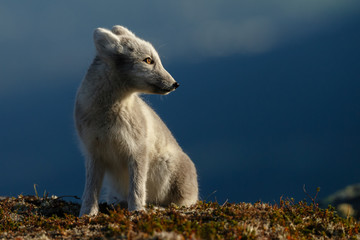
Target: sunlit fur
121	137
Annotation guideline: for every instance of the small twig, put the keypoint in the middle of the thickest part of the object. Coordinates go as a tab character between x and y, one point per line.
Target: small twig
281	201
224	202
313	199
210	195
45	195
36	193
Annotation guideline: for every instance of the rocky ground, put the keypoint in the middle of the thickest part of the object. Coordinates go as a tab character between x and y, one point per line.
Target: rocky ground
31	217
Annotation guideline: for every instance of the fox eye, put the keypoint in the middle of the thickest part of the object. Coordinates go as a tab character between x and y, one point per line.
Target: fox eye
148	60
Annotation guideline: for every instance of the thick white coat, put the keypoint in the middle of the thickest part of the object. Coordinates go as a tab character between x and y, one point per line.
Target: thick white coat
121	137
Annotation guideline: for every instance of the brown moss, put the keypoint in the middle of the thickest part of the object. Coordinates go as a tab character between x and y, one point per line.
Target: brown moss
34	217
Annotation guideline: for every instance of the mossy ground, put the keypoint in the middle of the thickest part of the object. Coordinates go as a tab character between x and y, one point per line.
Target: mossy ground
30	217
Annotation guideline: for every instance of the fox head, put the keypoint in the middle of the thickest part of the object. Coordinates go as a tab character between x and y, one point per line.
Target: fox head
134	60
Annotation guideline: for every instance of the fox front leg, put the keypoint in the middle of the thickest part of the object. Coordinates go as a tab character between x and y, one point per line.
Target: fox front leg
137	189
94	177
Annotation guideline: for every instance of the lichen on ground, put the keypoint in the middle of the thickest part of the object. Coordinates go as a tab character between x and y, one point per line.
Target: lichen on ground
30	217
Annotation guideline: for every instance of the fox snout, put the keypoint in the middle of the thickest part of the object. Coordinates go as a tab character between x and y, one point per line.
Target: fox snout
176	85
167	90
172	87
167	84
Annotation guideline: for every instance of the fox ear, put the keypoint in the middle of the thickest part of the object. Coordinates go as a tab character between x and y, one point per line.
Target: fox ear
120	30
106	42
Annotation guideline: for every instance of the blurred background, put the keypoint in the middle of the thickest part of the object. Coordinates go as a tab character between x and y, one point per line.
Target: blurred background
269	97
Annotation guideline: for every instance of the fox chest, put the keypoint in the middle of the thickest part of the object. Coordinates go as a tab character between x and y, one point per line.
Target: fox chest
125	135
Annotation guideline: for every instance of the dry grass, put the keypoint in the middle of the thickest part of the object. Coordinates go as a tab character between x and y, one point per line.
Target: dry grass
32	217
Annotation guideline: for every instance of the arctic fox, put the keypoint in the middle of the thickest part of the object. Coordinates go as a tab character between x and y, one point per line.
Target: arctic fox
121	137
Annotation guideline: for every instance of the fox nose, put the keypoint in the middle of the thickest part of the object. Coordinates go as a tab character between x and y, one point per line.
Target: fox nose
176	85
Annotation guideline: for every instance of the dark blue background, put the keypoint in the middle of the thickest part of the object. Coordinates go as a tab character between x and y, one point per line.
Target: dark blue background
257	126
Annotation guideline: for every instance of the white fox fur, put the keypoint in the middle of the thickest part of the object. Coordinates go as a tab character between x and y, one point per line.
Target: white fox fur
121	136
